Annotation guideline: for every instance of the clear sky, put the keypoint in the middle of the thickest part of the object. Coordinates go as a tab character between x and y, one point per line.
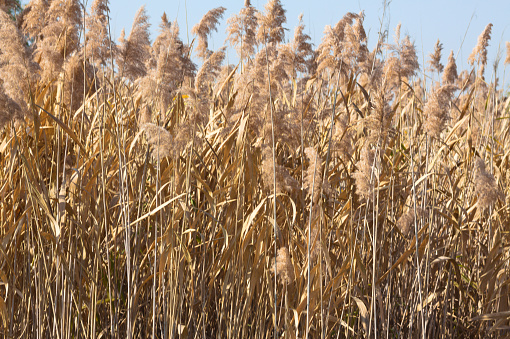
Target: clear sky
425	20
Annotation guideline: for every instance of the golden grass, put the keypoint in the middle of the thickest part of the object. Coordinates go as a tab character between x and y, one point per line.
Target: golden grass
273	201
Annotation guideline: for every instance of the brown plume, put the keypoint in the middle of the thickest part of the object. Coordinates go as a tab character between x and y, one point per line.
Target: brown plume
204	28
17	70
479	53
435	58
450	71
242	30
98	41
271	23
60	36
133	52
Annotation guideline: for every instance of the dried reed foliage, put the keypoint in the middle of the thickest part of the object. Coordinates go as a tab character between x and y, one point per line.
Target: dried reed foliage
100	239
203	29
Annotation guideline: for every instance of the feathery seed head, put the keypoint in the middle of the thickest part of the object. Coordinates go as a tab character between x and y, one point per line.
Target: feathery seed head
284	268
435	58
204	28
507	59
133	52
271	22
450	71
479	53
241	30
485	186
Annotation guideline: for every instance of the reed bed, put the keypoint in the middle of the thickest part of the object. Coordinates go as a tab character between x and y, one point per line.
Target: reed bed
325	191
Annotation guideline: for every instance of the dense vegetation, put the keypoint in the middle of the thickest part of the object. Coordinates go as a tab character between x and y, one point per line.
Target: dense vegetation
328	191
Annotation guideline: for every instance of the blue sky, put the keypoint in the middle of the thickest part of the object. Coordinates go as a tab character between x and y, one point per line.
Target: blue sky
424	21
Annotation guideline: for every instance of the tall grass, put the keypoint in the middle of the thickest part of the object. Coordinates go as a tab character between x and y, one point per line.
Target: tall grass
327	191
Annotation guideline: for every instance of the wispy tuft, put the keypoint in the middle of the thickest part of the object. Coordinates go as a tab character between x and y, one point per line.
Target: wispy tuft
242	30
271	22
435	58
204	28
479	53
450	71
133	52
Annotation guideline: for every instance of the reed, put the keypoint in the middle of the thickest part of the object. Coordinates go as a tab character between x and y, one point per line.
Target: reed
329	191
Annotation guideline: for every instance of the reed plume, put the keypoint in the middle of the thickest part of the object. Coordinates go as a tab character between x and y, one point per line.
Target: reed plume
60	36
209	71
355	52
486	186
507	59
284	181
479	53
9	109
450	71
168	65
302	48
284	268
271	22
379	122
97	39
406	221
367	174
435	58
340	45
17	70
297	54
33	19
313	175
403	61
133	52
78	74
159	139
342	137
10	6
436	110
204	28
242	29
